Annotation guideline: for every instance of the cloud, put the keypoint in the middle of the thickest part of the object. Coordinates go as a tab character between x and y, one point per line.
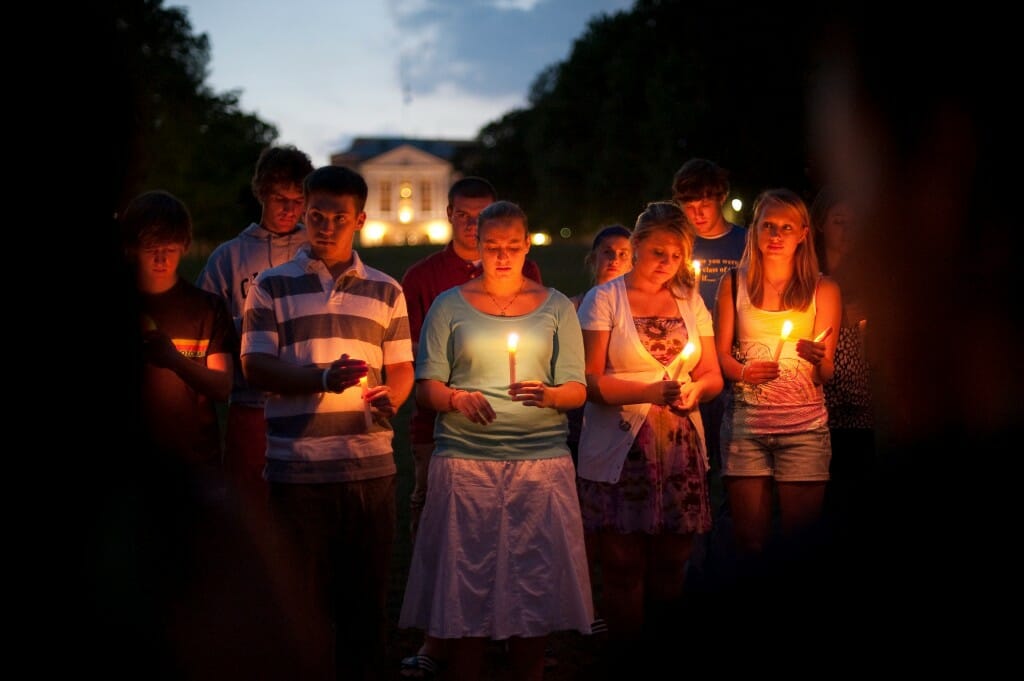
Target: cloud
492	48
326	72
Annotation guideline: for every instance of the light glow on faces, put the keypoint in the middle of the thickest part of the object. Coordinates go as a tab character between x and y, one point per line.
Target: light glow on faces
613	257
504	247
658	257
331	223
462	214
779	230
704	213
282	208
157	265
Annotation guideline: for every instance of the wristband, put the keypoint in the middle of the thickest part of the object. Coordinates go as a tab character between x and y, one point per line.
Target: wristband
323	380
451	398
742	372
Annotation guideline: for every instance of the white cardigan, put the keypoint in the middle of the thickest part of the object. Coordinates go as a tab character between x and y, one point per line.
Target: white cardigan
609	430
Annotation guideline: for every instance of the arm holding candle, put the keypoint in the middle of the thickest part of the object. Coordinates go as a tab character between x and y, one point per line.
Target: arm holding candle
754	371
398	382
610	389
561	397
705	379
267	372
828	316
212	379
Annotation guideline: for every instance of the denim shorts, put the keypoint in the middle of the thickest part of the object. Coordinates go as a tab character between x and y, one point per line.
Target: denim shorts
787	457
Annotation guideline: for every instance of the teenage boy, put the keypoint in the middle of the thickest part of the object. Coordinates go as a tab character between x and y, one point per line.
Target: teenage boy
229	272
188	338
701	188
313	328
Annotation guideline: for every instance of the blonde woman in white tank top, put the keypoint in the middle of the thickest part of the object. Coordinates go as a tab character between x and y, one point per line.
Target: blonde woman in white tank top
776	429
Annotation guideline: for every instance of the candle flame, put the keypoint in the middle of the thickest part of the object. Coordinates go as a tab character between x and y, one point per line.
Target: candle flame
688	350
513	341
696	268
787	327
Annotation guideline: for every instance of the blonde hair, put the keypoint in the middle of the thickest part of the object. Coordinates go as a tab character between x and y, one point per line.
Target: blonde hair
669	217
799	291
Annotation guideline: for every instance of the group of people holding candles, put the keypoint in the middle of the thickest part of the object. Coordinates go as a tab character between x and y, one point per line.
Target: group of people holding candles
924	162
499	552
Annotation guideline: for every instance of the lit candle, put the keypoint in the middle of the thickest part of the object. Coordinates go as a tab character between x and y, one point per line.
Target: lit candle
367	409
513	341
787	326
688	350
823	335
696	272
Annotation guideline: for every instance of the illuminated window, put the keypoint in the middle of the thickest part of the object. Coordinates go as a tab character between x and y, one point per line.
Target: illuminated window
406	190
425	195
385	196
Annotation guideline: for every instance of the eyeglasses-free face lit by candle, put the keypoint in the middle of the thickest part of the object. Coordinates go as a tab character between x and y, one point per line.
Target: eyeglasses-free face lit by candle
779	231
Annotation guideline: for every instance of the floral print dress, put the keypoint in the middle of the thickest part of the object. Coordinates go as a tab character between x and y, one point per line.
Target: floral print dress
663	487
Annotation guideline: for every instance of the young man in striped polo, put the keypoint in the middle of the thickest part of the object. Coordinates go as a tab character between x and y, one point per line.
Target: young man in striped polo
313	328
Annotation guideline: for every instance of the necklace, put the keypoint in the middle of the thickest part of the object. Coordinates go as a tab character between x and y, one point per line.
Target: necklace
502	308
777	289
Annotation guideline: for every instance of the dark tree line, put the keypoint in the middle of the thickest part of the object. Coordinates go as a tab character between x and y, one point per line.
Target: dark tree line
173	132
642	91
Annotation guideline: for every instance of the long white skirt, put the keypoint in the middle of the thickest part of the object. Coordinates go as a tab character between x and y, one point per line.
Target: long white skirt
499	551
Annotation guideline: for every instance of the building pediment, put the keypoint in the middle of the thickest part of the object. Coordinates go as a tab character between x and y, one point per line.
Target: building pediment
403	156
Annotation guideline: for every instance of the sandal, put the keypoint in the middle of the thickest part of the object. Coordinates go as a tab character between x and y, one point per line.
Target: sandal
420	666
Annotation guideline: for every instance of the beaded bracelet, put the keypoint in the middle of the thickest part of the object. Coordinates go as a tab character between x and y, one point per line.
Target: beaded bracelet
323	380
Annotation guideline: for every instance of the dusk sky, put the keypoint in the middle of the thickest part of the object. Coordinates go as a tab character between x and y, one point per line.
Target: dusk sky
324	72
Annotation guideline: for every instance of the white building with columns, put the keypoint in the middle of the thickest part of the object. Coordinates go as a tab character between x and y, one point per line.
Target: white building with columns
408	182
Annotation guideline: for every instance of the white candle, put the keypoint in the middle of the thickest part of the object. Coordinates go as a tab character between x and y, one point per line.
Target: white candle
787	326
513	341
696	273
688	350
367	409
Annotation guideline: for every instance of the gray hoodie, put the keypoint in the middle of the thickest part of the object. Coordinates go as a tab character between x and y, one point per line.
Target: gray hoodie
232	268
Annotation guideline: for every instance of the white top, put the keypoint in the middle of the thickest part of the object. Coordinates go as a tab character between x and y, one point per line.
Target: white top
609	430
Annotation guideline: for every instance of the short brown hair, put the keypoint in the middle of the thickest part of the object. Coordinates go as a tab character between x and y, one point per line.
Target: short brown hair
279	165
155	217
699	179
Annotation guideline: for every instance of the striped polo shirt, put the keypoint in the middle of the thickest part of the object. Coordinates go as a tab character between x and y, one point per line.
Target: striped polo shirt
297	312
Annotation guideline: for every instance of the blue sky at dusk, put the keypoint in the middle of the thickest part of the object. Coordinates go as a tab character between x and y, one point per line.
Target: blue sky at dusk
324	72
